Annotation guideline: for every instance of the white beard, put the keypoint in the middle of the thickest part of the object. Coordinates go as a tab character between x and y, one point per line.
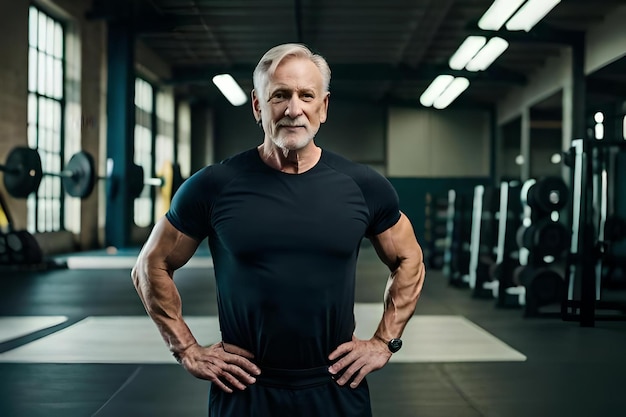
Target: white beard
290	143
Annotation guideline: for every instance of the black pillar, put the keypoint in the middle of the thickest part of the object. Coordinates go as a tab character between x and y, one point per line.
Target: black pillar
120	132
586	253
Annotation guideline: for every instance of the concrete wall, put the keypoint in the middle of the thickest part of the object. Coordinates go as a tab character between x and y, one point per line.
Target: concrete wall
606	42
437	144
355	130
13	100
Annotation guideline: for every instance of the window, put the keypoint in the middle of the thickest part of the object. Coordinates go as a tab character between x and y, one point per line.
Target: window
144	100
46	67
164	145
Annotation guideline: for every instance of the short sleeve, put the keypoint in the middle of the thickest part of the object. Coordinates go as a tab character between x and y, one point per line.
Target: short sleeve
190	210
382	201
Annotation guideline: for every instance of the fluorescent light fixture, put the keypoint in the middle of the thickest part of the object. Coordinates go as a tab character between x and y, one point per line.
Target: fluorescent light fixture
485	57
435	89
499	12
231	90
531	13
455	88
470	46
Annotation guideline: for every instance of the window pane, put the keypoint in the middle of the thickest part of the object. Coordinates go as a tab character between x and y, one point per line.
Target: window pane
41	213
58	41
32	26
58	78
41	73
31	206
49	76
50	36
56	117
42	113
32	136
32	109
32	69
41	32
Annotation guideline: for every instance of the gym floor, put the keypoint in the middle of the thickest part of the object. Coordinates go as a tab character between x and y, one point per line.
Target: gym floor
77	342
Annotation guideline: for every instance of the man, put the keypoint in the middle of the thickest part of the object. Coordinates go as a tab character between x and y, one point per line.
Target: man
284	222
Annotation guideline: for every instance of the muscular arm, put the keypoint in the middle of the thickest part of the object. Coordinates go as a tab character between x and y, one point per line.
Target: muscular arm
399	250
166	250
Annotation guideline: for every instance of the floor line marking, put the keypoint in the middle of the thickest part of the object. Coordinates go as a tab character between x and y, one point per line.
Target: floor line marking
120	389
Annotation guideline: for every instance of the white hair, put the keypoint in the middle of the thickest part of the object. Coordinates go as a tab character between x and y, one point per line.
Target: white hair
272	58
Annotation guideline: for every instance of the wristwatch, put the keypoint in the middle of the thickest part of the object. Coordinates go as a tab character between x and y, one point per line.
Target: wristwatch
394	345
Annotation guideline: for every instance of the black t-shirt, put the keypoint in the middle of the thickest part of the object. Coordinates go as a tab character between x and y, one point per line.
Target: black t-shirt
284	249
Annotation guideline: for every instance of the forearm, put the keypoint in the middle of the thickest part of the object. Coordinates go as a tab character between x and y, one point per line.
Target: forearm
157	291
401	294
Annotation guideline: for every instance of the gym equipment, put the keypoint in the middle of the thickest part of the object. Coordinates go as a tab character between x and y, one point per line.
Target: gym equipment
23	174
16	246
543	240
595	226
548	194
20	247
81	176
483	238
546	237
435	229
508	292
458	231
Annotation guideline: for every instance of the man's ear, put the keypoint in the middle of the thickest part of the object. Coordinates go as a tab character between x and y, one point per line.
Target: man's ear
256	107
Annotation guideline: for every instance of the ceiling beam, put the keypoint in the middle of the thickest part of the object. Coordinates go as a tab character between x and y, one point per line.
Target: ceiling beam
357	72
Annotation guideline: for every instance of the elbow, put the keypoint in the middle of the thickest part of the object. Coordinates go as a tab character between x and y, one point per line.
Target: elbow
136	273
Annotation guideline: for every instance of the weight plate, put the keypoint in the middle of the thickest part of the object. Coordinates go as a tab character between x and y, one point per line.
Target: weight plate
22	174
548	194
81	181
545	287
135	180
549	238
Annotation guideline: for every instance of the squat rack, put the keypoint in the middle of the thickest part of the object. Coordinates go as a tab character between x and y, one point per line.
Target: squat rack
589	244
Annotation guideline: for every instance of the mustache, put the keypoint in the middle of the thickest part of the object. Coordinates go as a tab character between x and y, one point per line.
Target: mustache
290	122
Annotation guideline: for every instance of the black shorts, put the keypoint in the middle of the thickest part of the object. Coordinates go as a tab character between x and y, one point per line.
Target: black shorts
292	393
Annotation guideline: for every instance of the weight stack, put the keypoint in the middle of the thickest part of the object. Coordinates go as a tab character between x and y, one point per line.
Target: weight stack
546	239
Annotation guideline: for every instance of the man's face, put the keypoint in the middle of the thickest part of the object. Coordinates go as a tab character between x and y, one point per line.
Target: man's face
294	105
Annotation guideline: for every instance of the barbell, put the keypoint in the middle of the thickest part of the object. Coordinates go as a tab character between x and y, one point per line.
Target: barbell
23	174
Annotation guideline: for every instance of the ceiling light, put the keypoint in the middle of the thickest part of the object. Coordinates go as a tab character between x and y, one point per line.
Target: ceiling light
498	13
531	13
435	89
485	57
231	90
455	88
470	46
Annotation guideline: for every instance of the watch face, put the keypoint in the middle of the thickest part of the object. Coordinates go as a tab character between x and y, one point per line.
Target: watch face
395	345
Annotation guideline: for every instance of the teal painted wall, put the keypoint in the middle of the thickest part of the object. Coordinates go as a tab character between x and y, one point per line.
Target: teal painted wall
413	191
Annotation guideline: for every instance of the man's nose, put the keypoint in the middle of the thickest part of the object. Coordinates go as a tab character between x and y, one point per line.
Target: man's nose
294	109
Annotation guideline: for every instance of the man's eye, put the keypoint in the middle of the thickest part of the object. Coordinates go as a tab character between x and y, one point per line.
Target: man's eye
277	97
